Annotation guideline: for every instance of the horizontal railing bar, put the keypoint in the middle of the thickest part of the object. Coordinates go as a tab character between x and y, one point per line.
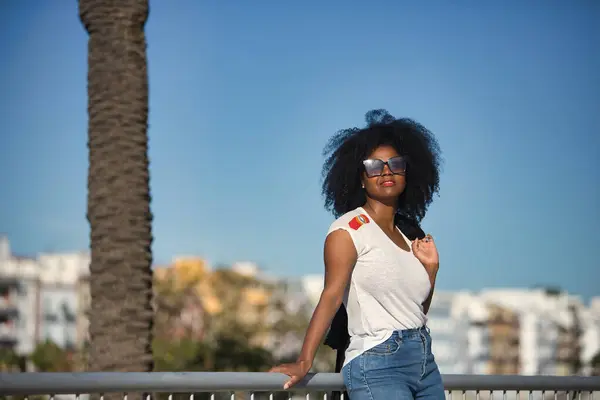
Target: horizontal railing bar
160	382
521	382
187	382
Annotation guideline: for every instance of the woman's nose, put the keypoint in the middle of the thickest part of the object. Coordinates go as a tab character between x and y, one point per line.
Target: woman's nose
386	170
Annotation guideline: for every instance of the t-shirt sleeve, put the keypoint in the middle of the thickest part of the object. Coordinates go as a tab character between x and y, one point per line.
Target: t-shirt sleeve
354	234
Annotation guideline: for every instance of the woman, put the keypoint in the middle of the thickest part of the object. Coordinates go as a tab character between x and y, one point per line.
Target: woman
372	178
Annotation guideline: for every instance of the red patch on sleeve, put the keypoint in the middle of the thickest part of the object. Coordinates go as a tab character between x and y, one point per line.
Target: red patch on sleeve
358	221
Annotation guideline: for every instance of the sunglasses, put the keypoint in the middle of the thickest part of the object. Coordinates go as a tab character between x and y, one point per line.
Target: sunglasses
374	167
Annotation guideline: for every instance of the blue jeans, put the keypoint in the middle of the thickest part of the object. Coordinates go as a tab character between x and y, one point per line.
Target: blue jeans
401	368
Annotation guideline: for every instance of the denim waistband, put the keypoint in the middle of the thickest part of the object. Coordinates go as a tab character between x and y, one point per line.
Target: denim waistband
412	333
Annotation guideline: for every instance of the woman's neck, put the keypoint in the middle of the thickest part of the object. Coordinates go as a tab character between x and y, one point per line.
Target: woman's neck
383	214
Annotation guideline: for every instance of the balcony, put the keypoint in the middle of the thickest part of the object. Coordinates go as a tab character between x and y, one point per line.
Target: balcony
8	333
256	386
9	292
8	308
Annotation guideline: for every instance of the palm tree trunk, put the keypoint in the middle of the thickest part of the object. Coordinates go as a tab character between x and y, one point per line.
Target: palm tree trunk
118	186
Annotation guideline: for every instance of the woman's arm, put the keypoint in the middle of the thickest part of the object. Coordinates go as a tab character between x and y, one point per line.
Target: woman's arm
427	302
339	256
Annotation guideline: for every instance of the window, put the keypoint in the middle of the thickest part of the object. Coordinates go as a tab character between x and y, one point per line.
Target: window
67	313
49	314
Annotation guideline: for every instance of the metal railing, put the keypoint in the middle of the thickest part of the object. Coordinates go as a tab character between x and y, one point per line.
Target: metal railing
255	386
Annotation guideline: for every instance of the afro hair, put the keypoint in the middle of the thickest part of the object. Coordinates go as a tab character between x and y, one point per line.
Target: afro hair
346	150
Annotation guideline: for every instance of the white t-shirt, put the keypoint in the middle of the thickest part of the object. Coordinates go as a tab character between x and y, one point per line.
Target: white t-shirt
387	287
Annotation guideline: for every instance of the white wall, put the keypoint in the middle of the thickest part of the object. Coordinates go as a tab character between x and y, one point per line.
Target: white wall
448	321
48	283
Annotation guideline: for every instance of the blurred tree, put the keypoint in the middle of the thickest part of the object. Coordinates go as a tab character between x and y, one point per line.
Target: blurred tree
192	355
178	310
9	360
291	313
595	364
224	342
49	357
237	354
118	186
255	325
185	354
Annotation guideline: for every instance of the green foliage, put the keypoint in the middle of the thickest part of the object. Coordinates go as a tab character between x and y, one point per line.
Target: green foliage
236	354
595	364
9	360
49	357
230	340
180	355
596	360
226	354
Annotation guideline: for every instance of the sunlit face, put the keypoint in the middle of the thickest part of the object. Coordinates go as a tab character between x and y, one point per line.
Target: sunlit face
383	175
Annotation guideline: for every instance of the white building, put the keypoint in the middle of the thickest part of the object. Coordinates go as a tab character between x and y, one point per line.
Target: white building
48	299
449	322
550	326
59	276
478	333
246	268
21	329
289	299
9	295
590	343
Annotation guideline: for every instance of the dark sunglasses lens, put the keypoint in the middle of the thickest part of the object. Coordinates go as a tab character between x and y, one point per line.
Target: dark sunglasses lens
373	167
397	165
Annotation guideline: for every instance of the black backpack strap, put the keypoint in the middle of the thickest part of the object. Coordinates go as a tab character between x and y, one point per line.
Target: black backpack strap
337	338
339	362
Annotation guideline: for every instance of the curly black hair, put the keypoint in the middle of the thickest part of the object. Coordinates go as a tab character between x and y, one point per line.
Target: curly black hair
346	150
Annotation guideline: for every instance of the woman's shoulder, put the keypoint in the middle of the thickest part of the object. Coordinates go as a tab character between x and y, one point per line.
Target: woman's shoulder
354	223
351	221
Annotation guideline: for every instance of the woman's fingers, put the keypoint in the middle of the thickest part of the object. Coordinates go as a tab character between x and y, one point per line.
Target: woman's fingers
289	370
282	369
294	379
416	245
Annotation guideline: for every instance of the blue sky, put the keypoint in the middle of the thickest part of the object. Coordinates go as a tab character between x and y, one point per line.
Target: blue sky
244	95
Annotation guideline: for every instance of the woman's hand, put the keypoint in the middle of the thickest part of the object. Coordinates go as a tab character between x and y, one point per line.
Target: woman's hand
426	252
296	371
